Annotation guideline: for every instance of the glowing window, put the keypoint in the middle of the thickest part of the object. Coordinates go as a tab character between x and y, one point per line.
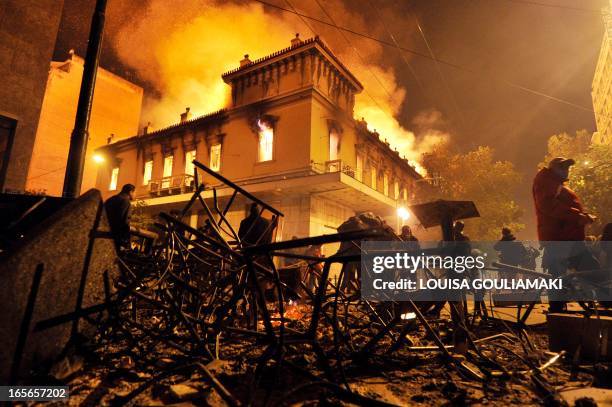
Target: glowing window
405	194
334	145
374	174
148	172
359	169
215	157
114	179
396	190
168	161
266	142
386	184
189	157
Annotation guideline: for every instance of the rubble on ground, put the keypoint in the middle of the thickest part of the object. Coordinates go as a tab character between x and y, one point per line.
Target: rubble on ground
202	320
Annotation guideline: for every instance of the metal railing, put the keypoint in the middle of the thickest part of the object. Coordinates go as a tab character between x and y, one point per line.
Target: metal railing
176	184
338	166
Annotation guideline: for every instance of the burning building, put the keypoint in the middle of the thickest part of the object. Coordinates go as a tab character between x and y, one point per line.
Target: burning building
115	111
288	137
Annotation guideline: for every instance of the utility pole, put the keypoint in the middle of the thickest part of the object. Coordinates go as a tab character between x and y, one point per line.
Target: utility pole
80	133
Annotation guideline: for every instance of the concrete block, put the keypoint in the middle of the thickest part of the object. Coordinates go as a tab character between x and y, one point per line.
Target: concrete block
58	246
568	331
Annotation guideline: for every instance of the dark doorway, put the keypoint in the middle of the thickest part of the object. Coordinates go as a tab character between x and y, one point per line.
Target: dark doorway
7	134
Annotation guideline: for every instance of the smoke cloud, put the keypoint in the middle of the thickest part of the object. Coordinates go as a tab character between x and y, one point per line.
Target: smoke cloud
183	48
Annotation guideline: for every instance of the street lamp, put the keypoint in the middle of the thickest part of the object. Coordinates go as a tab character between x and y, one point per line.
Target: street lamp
403	214
98	158
402	217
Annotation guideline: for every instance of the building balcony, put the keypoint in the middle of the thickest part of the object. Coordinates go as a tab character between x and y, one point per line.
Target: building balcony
174	185
331	180
339	166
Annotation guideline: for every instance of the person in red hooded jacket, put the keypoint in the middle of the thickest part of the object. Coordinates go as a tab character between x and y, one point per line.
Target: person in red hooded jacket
560	217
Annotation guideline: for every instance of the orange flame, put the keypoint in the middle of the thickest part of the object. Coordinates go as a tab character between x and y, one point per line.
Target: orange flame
184	50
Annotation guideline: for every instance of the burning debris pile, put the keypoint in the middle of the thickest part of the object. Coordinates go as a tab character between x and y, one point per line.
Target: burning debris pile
206	317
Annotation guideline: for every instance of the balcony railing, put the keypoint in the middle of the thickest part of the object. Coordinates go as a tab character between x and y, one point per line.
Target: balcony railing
338	166
176	184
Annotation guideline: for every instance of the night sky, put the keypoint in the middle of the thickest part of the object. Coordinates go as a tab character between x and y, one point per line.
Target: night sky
549	49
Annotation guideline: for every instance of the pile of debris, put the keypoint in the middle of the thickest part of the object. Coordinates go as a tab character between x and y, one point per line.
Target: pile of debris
203	317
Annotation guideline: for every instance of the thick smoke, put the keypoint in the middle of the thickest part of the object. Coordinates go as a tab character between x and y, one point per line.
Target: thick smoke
182	48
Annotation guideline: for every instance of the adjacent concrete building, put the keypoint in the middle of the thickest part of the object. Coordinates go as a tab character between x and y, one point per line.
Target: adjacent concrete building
289	137
602	84
28	30
115	113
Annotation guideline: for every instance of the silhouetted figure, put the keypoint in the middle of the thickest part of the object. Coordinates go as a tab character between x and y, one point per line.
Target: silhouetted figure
407	236
510	251
255	229
462	241
560	217
480	308
118	214
351	271
314	268
290	261
605	247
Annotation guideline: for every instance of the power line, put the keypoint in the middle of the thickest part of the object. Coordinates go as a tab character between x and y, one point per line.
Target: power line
480	184
441	61
314	32
558	6
442	76
355	49
401	54
318	20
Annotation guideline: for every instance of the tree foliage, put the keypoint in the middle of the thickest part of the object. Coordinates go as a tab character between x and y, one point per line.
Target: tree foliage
140	216
591	177
476	176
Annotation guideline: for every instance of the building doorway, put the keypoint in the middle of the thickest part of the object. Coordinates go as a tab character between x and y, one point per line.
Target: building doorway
7	135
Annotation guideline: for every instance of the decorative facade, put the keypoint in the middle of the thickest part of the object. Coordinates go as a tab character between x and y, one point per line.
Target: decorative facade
602	84
289	138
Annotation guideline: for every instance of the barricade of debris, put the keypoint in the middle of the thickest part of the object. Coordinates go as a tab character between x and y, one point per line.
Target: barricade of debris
207	317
